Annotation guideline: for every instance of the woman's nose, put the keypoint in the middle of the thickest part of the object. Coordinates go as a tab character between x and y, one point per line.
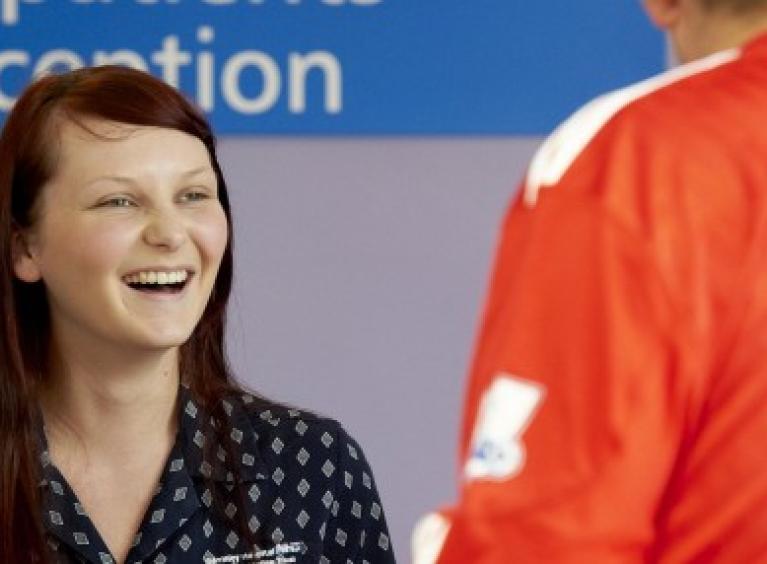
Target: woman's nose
165	230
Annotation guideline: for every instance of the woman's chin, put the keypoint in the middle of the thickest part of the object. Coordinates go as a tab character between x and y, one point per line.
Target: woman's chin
163	339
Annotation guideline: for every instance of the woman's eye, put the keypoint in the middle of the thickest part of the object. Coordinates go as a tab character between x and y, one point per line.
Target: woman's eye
117	202
194	196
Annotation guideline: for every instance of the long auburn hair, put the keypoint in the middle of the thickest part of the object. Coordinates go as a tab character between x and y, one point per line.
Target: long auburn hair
28	151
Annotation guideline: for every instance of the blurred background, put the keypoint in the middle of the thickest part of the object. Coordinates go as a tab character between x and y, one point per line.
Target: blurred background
371	148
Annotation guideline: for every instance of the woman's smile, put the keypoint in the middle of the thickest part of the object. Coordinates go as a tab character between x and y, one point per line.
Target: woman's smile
162	284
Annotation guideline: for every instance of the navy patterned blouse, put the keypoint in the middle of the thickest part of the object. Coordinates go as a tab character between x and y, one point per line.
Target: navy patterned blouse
308	496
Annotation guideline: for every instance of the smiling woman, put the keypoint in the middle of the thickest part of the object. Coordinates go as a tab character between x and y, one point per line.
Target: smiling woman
123	435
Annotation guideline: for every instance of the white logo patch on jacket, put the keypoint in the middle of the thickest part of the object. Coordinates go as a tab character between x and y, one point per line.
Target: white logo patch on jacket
504	413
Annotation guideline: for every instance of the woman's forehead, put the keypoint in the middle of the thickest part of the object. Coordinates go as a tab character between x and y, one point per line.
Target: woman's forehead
95	146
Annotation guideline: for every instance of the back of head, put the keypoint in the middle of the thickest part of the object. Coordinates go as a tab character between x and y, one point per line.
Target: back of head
29	148
735	6
697	28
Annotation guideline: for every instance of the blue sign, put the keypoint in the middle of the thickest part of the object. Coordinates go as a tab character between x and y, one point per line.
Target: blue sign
347	67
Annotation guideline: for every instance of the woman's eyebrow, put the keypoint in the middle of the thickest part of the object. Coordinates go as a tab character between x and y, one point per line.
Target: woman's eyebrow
198	170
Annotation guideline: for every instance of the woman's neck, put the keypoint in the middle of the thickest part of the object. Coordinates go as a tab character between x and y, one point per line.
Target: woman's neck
110	410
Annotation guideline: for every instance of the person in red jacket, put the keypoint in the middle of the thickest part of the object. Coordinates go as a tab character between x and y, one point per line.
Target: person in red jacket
617	405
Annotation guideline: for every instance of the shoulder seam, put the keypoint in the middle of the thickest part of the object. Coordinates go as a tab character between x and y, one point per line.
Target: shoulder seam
558	152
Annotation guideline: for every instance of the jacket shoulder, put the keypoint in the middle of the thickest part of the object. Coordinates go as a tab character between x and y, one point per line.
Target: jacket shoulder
631	104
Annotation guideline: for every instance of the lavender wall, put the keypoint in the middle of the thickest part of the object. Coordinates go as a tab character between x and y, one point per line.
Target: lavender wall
360	270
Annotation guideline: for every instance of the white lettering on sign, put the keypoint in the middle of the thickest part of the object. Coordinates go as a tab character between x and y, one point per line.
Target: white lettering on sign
172	61
10	12
270	75
57	59
11	58
9	9
300	66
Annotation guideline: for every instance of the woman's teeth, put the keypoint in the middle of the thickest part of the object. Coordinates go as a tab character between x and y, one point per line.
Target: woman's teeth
156	277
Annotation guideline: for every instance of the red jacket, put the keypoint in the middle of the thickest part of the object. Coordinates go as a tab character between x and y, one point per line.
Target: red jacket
617	405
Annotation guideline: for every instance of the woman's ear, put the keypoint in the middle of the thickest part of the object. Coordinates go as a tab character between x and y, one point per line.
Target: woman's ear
664	13
24	264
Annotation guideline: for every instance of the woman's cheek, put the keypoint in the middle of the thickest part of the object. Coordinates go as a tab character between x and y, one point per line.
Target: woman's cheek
86	246
212	233
107	244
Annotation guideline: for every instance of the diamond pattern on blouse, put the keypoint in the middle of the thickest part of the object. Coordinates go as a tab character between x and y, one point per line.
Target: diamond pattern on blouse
278	475
383	541
328	468
191	409
302	519
254	493
341	537
185	542
327	499
303	481
303	456
80	538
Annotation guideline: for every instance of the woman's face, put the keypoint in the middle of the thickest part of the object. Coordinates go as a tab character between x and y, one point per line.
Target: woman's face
128	237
